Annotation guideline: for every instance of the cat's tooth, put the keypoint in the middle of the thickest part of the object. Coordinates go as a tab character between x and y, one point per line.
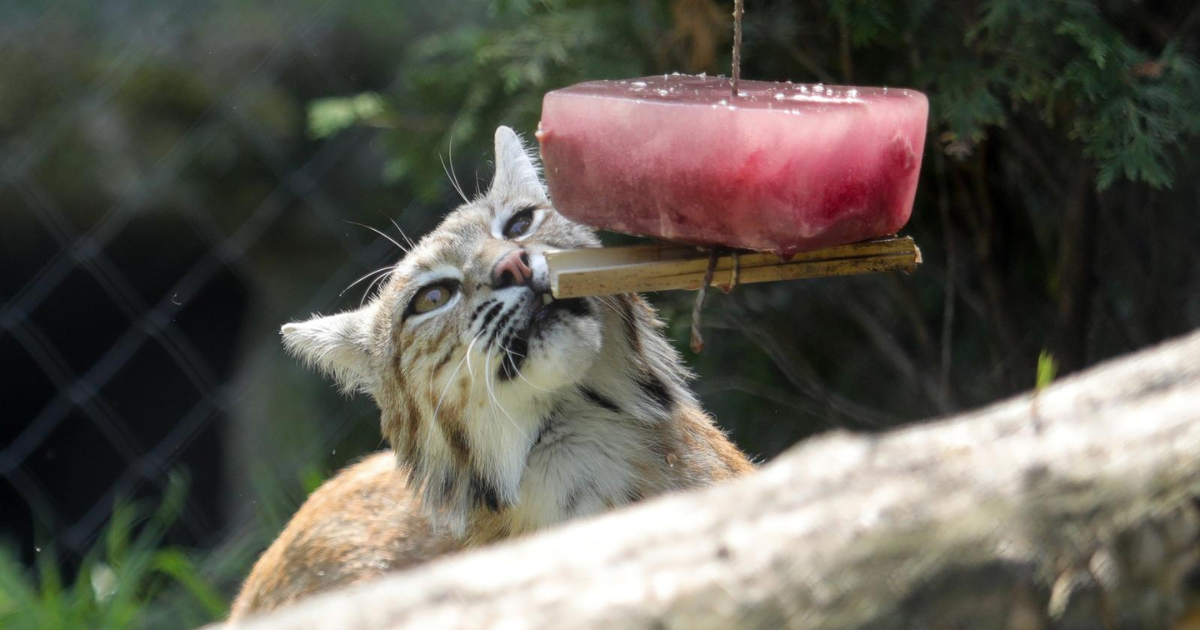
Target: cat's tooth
547	299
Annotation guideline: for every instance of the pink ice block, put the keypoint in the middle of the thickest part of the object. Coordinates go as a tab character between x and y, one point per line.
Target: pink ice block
783	167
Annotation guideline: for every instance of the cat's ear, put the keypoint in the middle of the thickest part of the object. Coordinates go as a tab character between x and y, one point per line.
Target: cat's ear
517	173
338	345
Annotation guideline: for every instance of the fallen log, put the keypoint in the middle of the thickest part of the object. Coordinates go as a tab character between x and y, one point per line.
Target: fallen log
1075	507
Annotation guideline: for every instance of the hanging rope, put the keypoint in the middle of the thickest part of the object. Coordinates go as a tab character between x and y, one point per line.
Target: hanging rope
697	308
738	8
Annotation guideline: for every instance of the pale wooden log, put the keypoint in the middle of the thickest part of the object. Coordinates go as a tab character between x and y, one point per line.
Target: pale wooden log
1073	508
665	266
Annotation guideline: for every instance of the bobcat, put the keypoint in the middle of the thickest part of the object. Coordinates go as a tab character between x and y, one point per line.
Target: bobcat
507	411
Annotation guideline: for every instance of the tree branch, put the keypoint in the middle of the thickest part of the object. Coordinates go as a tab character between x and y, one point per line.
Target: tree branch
1073	510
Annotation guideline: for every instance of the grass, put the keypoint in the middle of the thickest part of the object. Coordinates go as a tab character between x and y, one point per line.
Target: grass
1047	370
129	579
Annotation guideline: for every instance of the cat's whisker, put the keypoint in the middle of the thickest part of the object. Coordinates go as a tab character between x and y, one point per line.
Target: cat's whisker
378	280
392	240
611	303
377	271
454	175
453	181
518	370
468	357
410	242
492	393
450	381
612	308
528	382
622	313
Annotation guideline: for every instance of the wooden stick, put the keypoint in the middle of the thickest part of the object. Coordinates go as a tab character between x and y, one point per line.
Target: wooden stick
666	266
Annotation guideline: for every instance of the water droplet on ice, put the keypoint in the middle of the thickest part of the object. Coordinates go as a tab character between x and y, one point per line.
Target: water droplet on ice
722	102
819	89
662	92
639	84
779	96
852	94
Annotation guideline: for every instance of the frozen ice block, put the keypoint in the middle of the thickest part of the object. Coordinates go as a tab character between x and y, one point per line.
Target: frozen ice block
782	167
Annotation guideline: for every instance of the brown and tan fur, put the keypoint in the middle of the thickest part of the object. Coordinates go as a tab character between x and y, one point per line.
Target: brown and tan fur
506	412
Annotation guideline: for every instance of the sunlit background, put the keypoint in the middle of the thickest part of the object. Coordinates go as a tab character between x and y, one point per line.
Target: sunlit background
178	179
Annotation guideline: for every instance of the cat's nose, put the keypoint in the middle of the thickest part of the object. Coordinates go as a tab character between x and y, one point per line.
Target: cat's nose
512	270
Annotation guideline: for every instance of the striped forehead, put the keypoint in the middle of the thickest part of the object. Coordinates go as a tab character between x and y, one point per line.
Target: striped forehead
454	244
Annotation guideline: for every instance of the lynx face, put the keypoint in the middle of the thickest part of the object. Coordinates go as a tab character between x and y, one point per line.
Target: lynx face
507	412
463	349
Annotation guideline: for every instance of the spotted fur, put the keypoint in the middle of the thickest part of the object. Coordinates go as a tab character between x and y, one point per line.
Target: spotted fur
504	415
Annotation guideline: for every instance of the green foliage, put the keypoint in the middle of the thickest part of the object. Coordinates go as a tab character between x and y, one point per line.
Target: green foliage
328	116
127	569
1028	98
312	478
1128	107
1047	369
466	80
1025	95
865	21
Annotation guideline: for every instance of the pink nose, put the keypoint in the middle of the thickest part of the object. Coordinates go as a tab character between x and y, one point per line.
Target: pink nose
512	270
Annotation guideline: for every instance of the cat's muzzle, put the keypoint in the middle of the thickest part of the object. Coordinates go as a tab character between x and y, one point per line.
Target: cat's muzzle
545	314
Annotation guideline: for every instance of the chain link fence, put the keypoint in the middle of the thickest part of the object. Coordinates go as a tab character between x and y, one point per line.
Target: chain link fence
163	212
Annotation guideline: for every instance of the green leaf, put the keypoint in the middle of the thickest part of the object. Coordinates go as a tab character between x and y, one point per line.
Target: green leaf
174	563
1047	369
312	478
328	116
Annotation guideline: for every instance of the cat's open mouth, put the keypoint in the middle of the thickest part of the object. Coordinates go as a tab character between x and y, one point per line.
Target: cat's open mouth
544	316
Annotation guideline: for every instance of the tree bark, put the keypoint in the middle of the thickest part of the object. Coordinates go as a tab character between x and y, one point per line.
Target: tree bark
1078	507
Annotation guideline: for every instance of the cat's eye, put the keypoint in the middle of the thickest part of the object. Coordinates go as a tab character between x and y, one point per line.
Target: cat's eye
431	297
519	224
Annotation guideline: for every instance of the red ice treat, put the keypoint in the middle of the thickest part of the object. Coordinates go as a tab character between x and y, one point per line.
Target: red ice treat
783	167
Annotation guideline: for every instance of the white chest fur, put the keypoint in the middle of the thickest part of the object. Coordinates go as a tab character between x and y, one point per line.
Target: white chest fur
582	464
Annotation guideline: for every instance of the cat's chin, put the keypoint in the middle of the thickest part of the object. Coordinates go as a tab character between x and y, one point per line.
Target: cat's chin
560	343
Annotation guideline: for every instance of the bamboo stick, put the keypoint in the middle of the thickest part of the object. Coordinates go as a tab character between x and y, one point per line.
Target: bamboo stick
666	266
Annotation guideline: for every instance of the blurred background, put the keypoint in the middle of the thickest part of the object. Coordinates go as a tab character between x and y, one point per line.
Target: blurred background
178	179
